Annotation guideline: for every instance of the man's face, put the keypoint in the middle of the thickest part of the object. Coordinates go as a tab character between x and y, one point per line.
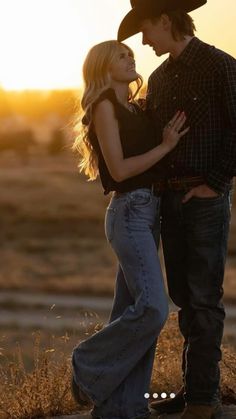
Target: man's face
157	35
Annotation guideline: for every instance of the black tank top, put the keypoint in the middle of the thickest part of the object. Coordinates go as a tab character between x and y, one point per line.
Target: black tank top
137	135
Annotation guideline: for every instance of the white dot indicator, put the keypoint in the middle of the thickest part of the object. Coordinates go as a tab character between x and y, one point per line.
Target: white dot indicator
172	395
155	395
146	395
163	395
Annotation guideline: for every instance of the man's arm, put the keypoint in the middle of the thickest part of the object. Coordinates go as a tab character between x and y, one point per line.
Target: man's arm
150	93
219	177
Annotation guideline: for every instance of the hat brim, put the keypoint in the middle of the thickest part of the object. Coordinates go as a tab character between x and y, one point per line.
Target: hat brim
129	26
131	23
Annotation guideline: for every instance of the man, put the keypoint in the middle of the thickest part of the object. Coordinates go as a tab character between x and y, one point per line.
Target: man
196	184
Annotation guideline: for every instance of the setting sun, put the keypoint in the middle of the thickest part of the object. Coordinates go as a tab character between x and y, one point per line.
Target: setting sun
43	43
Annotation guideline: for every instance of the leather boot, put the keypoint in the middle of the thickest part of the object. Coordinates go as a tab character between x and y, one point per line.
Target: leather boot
177	404
198	411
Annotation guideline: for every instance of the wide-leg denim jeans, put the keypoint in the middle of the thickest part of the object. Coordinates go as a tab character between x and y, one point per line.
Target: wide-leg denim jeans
114	366
194	238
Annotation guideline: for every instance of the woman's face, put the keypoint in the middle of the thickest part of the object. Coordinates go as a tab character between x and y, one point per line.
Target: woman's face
122	68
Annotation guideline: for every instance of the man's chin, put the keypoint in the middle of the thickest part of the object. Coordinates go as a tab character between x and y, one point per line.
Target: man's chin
157	52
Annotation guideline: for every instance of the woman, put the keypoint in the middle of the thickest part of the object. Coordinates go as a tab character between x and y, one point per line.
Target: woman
112	368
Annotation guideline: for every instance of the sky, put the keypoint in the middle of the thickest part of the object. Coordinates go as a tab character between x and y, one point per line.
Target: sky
43	43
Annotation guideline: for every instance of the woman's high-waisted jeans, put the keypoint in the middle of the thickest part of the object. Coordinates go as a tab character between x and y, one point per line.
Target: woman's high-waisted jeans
114	366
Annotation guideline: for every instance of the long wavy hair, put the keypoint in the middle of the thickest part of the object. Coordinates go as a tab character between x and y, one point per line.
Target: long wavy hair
96	80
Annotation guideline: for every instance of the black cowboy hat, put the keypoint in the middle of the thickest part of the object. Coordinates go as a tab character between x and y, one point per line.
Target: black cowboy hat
142	9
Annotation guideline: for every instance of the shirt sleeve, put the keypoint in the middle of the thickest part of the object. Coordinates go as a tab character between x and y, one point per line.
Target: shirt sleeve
220	176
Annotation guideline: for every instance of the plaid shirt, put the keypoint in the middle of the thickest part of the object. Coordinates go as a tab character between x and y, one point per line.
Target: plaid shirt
202	82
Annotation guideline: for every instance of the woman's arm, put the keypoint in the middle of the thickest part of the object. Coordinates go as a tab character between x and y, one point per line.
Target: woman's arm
107	131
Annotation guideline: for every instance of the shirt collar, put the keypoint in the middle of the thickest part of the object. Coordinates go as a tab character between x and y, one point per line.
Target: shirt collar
187	57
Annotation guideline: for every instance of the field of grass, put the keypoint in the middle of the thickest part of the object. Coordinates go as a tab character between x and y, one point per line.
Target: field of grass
45	389
52	228
52	236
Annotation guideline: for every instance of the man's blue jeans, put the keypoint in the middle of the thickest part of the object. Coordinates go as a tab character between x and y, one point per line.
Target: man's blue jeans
194	237
114	366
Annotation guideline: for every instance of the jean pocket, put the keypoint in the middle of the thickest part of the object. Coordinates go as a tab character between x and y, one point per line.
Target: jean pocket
110	223
209	199
141	198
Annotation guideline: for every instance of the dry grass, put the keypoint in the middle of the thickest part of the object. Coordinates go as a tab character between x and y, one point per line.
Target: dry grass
52	235
45	391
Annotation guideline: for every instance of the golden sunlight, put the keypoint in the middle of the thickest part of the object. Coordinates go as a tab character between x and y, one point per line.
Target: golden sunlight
44	42
39	43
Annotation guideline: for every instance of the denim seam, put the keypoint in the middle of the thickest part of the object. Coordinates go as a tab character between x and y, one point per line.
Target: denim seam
139	257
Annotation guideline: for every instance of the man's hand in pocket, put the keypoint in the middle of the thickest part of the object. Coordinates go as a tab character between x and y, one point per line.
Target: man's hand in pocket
201	191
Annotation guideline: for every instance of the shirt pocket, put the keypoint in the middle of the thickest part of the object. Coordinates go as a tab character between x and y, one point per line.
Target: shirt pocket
196	107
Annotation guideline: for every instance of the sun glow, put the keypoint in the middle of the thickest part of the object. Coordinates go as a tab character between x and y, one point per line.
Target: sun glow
43	42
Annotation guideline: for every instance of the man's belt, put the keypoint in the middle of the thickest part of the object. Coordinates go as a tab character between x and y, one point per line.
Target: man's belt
177	184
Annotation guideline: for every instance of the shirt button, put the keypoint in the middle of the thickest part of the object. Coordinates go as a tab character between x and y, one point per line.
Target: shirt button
174	98
176	76
195	98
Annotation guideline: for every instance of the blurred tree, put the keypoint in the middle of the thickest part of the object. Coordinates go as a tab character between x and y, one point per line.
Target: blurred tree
38	104
20	142
57	143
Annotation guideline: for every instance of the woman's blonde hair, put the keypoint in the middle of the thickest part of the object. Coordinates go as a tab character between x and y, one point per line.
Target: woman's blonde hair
96	80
